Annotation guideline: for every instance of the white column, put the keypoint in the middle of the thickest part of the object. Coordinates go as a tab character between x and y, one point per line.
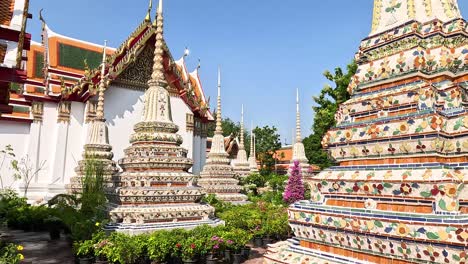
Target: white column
59	154
196	147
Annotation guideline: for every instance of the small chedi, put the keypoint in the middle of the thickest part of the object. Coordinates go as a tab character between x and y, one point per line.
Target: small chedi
154	190
241	164
253	156
298	147
218	176
401	141
97	148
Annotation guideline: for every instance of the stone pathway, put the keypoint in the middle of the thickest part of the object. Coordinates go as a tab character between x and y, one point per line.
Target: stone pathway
38	249
256	256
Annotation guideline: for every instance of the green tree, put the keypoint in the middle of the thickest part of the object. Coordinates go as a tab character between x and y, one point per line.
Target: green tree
267	142
326	105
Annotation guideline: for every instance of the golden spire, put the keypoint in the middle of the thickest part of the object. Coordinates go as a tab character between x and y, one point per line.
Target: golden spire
102	85
219	129
148	15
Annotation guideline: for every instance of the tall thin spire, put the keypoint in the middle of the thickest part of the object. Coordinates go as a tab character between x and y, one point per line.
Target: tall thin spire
219	129
148	15
157	100
242	128
158	69
251	140
102	85
298	119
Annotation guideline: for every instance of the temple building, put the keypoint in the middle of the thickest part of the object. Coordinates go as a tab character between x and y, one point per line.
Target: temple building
54	108
398	194
14	42
241	164
218	176
155	190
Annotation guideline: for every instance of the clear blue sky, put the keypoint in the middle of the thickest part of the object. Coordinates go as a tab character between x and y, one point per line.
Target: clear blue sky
266	48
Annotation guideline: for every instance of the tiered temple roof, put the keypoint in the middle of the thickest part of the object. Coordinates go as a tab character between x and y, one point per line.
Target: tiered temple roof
401	141
218	176
62	68
154	190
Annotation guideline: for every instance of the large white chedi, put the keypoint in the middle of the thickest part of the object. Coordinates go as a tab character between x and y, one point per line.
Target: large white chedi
56	129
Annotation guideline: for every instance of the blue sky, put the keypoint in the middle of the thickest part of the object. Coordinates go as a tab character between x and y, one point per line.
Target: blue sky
266	48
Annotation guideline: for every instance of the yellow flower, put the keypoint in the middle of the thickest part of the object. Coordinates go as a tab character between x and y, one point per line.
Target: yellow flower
370	224
402	230
443	235
452	206
19	247
424	124
98	224
21	257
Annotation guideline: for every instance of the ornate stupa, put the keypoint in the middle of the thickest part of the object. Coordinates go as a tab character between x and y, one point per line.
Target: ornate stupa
253	156
398	194
241	164
97	149
154	190
218	176
298	147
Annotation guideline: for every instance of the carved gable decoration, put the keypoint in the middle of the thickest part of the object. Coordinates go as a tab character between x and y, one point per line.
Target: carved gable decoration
137	74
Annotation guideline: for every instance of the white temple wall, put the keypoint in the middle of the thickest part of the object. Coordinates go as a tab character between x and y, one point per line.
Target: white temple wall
75	140
122	109
17	18
196	155
179	117
15	134
10	55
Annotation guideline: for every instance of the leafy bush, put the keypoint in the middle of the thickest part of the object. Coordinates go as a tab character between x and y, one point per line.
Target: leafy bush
10	253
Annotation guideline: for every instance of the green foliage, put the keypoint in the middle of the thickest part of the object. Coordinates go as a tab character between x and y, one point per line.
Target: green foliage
267	142
326	106
10	253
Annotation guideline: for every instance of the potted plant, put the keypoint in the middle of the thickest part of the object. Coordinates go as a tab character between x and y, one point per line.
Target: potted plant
159	247
258	232
54	225
84	251
190	248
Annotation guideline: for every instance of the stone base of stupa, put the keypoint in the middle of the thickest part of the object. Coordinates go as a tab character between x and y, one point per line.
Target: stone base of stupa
291	252
138	219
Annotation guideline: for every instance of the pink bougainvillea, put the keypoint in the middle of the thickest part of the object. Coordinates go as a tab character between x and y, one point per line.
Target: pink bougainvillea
295	188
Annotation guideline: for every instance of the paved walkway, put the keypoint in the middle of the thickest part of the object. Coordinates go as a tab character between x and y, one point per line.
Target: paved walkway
38	249
256	256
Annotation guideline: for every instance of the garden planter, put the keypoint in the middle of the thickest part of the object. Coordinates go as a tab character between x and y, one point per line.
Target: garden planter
267	241
227	256
245	252
236	258
85	260
189	261
210	259
258	242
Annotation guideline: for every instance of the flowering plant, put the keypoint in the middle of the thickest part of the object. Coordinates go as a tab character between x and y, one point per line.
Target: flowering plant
10	253
190	248
295	188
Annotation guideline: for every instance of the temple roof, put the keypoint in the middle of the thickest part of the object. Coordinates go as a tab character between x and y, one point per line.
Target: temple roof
389	14
73	68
